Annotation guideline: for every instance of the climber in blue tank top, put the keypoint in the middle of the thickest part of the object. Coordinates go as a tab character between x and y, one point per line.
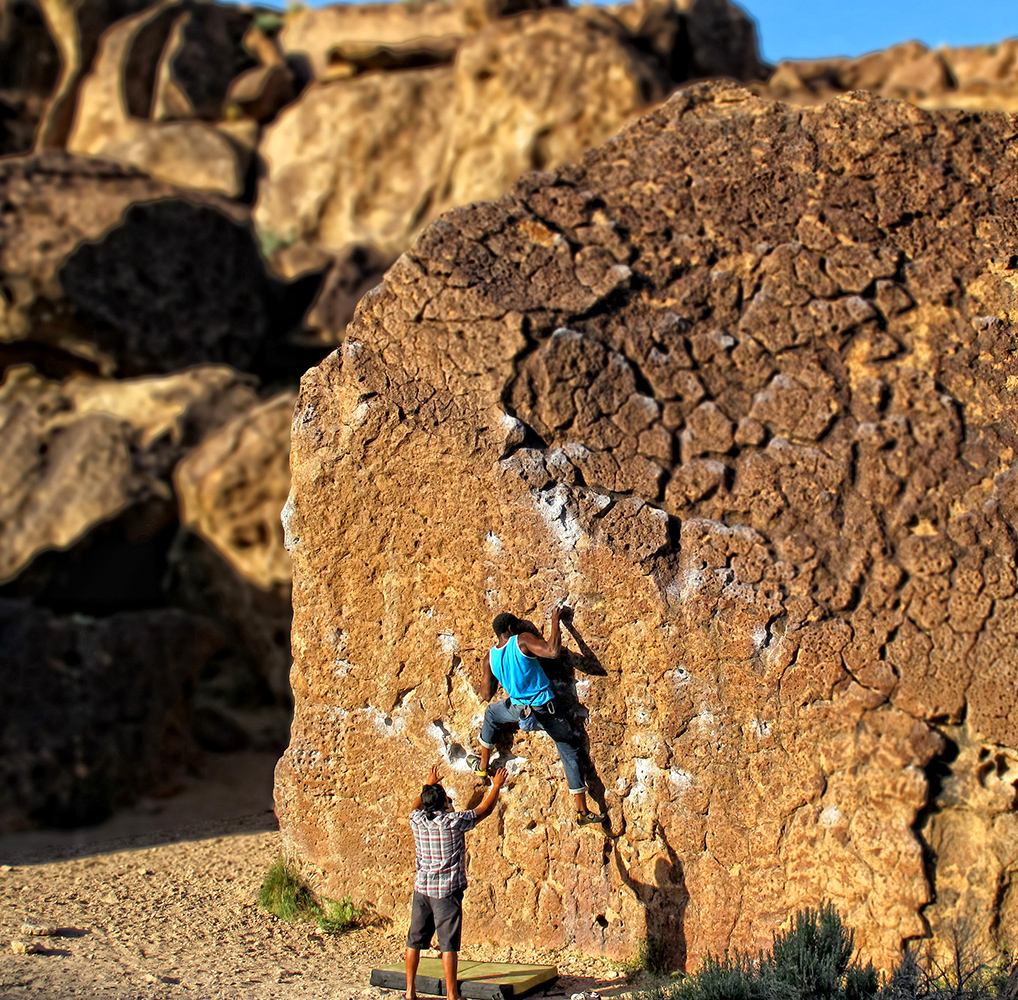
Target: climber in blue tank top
513	663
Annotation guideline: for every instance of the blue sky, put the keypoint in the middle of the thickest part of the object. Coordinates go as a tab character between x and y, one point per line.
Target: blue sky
809	29
790	29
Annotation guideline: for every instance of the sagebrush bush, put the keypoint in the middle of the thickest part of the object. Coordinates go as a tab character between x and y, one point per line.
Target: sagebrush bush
813	956
812	960
286	895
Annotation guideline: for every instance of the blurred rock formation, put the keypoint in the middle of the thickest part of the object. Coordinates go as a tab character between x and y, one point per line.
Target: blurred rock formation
973	78
96	710
143	477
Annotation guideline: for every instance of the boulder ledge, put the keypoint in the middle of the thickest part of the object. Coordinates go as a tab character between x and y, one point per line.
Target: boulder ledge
741	388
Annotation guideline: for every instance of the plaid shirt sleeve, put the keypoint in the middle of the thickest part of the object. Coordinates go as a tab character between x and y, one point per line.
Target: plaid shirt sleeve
465	821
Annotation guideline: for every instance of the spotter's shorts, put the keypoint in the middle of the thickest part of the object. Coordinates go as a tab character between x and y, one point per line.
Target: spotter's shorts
430	914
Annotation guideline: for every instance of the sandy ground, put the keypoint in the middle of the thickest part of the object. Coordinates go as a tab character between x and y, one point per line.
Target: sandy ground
160	902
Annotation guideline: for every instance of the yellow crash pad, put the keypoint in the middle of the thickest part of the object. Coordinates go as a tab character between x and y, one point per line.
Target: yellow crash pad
478	980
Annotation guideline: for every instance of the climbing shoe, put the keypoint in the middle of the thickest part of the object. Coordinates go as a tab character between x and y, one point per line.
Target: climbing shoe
474	763
587	818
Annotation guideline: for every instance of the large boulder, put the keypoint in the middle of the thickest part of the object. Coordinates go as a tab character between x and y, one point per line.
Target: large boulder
341	35
740	388
75	28
118	272
354	161
56	202
96	711
695	39
373	159
232	488
175	284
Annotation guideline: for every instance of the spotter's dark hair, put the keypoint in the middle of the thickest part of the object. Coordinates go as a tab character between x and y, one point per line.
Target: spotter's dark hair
505	622
433	800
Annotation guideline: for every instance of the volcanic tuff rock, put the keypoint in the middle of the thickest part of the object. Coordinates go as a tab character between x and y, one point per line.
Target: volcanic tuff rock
330	36
741	387
95	711
123	273
189	153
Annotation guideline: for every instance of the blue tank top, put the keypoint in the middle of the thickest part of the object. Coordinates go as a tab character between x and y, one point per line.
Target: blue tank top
520	675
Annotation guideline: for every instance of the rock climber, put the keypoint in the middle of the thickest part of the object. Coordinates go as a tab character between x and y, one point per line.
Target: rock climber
441	876
513	664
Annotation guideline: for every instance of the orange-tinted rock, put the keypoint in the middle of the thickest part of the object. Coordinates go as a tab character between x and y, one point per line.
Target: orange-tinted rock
321	34
79	454
740	389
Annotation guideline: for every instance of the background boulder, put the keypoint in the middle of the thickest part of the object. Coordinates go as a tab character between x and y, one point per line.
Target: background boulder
738	389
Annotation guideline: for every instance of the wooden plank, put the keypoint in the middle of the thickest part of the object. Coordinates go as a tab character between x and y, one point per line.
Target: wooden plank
477	980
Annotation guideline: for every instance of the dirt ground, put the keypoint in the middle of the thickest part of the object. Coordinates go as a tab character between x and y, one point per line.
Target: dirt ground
160	902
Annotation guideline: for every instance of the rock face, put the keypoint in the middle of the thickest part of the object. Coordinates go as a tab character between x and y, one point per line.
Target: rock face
70	751
189	153
119	273
58	201
740	387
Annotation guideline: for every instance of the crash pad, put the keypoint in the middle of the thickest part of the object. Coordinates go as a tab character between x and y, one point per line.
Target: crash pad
477	980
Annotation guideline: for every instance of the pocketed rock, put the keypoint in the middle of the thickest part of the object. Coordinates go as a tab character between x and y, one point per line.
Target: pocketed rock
740	387
90	225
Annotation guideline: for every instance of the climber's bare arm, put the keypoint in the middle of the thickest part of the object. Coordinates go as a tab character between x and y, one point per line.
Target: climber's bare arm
487	805
487	680
548	648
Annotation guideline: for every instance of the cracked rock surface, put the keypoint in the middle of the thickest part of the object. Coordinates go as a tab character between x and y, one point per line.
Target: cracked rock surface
740	387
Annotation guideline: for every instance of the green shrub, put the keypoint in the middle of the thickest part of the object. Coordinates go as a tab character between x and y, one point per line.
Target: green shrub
733	977
286	895
649	957
813	955
268	22
812	960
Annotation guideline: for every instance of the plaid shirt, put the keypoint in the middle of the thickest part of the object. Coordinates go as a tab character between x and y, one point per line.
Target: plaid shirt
441	853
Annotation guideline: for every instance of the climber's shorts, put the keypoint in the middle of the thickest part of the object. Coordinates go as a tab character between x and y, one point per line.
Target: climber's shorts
430	914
